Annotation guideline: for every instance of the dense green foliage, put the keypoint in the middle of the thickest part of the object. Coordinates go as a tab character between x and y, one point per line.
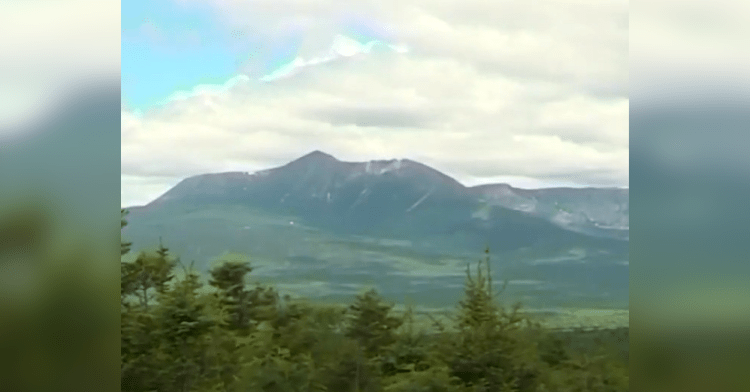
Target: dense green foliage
179	334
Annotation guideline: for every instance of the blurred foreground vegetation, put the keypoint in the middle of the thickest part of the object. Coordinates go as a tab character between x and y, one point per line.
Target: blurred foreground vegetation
183	332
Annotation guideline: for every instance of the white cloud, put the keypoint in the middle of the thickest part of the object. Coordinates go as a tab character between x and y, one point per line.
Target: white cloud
486	91
342	47
49	48
680	49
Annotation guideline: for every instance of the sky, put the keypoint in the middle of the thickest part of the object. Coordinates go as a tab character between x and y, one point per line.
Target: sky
46	56
529	94
534	94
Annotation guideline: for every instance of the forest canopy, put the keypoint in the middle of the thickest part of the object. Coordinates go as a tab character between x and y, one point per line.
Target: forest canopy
181	331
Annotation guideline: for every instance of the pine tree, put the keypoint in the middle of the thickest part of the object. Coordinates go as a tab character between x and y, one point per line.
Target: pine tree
184	332
124	246
149	272
371	323
145	278
478	307
411	352
489	352
229	278
373	329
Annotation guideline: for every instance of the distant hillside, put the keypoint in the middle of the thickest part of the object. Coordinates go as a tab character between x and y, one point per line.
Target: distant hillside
380	216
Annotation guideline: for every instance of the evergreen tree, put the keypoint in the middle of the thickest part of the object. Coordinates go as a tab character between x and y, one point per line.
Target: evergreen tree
229	279
185	331
124	246
138	339
478	308
372	329
490	352
177	340
372	324
352	371
412	350
139	327
148	273
245	308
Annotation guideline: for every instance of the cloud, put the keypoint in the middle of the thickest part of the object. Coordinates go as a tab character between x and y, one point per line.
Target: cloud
342	47
375	116
681	48
580	43
486	91
54	47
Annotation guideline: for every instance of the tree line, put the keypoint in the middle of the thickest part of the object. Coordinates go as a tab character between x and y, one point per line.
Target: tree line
181	331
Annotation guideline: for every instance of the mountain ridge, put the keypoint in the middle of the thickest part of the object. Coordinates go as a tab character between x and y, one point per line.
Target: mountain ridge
381	221
323	180
317	157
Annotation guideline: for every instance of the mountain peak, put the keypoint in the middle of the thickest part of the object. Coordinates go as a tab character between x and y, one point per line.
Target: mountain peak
318	155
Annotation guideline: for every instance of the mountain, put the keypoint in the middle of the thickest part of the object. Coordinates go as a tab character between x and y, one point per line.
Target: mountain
398	197
383	216
347	198
602	212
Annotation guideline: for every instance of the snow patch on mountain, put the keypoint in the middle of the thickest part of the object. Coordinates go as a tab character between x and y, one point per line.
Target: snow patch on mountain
378	167
361	198
262	173
395	166
423	198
